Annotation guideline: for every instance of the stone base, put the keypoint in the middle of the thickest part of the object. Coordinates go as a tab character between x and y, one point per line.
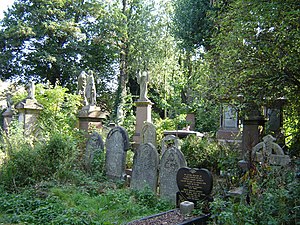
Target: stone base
90	117
29	110
143	114
230	136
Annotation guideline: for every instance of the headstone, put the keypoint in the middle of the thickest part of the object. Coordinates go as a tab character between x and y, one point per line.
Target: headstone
172	160
94	148
169	141
149	133
145	168
117	144
270	152
194	184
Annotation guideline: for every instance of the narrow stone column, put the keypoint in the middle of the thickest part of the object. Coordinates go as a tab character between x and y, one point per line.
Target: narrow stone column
143	114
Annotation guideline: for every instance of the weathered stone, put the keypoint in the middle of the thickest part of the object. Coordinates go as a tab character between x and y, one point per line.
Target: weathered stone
117	144
270	152
94	147
169	141
143	114
186	207
172	160
149	133
29	110
145	168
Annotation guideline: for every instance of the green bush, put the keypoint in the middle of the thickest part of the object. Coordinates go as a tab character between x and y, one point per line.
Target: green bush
272	197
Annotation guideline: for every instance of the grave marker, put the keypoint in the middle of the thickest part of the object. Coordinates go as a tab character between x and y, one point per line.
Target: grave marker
94	147
117	144
171	161
193	184
149	133
145	168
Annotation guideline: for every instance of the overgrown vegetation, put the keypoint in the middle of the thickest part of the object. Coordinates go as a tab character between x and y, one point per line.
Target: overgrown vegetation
50	203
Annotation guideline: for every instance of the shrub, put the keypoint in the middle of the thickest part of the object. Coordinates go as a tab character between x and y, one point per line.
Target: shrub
272	198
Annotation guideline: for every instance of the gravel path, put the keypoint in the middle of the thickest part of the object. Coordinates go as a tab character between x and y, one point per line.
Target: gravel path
169	218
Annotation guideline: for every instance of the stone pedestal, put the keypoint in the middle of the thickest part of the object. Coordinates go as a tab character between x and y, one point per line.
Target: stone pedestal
251	133
7	118
143	114
29	110
90	117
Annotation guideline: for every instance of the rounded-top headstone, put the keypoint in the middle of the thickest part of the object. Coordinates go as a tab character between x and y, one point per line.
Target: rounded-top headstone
117	144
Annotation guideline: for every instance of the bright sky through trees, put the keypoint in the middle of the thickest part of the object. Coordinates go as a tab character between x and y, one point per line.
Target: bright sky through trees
4	4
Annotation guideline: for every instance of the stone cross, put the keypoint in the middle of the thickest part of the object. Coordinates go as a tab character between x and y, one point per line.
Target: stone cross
145	168
269	151
117	144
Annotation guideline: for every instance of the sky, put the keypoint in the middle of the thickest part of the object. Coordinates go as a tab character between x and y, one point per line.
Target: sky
4	5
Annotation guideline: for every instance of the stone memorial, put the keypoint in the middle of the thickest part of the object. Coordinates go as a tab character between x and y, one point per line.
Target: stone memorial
270	152
143	107
29	110
172	160
94	148
149	133
145	168
90	116
194	185
117	144
8	113
168	141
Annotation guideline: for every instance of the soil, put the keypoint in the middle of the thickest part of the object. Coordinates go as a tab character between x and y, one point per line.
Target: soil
168	218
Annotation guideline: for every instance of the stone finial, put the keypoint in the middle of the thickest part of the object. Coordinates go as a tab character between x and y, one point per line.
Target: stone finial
30	88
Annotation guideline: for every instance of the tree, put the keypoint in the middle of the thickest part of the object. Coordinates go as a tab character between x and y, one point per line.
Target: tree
53	40
256	53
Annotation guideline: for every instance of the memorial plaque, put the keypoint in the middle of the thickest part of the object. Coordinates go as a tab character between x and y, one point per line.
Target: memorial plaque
194	184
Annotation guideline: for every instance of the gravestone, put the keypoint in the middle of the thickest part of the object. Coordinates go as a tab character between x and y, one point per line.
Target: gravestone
94	148
149	133
117	144
169	141
268	151
194	185
145	168
172	160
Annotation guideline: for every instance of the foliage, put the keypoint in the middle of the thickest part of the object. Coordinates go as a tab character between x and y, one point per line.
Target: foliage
191	23
46	204
52	41
272	199
208	153
256	55
26	164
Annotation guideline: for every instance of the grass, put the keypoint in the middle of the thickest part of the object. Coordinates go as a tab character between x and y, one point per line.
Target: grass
69	204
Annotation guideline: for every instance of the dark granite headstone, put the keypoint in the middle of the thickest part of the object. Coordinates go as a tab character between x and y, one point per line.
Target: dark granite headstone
193	184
